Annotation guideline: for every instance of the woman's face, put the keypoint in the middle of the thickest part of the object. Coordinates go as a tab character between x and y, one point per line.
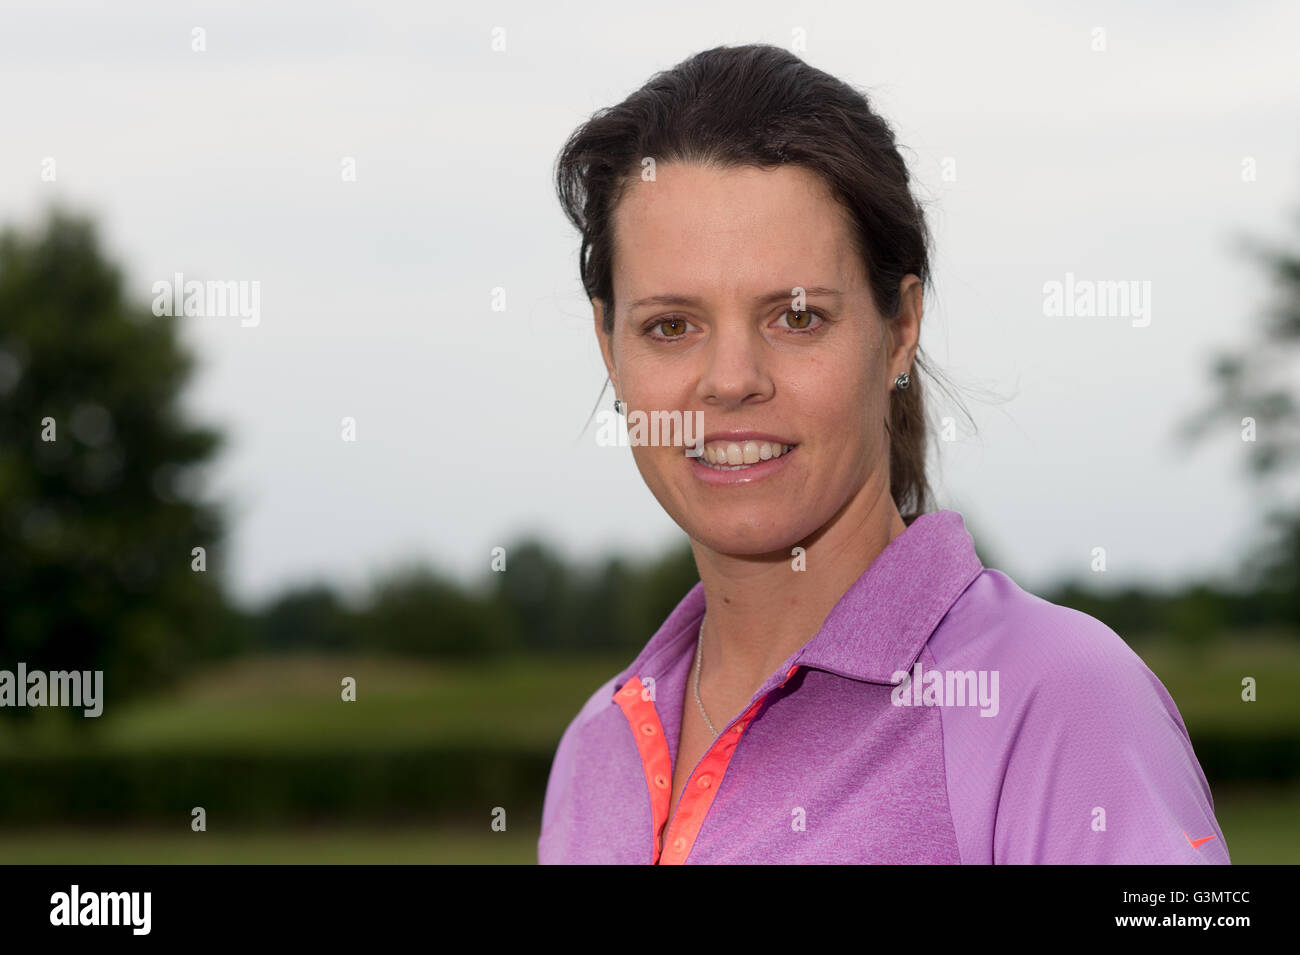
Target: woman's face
721	252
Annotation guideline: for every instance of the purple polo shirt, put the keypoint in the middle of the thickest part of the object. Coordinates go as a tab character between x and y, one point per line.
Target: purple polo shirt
940	715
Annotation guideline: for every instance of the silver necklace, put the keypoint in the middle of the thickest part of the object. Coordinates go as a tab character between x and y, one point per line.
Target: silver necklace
699	652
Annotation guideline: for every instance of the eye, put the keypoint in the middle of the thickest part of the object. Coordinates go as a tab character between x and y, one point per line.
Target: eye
798	318
679	324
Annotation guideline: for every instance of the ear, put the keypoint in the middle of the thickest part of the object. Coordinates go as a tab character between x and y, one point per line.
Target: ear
606	342
905	328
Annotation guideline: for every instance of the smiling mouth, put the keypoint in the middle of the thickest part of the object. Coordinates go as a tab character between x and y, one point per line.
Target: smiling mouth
718	457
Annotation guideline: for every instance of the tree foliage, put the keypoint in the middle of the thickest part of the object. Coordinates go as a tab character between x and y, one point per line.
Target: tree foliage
98	510
1254	400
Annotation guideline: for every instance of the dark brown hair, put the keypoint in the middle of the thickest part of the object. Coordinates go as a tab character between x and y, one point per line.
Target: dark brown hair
759	105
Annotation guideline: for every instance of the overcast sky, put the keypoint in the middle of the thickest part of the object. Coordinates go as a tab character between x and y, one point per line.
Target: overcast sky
1122	164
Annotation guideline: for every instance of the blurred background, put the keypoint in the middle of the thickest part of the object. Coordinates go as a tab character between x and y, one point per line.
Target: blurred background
389	369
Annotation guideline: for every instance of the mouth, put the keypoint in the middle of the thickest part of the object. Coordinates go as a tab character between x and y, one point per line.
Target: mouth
740	456
742	461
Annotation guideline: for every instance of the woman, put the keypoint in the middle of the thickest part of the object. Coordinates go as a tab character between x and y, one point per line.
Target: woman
861	688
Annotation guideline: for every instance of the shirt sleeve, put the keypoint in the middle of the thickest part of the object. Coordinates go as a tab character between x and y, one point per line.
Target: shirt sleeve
554	833
555	840
1100	768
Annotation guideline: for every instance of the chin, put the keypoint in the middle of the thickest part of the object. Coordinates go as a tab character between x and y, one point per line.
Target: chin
745	543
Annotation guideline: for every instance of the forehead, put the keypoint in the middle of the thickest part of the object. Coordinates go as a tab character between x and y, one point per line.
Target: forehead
704	230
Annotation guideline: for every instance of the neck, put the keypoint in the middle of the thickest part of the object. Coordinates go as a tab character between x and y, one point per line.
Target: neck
761	609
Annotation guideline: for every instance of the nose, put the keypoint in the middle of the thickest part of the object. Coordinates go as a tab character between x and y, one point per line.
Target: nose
736	368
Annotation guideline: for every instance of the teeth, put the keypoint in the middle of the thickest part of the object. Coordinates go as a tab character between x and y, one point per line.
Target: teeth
731	455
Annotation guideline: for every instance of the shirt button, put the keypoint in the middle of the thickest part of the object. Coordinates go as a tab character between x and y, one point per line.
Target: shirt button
629	690
739	728
679	844
705	781
661	781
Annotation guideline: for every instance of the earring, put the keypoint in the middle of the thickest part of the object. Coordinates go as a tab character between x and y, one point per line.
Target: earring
618	406
902	381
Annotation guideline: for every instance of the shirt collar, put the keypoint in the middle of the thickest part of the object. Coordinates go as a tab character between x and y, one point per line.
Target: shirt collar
880	624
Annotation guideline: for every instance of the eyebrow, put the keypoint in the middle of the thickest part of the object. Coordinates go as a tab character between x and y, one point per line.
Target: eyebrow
771	298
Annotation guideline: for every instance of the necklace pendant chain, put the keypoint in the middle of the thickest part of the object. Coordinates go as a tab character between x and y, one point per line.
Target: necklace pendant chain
699	653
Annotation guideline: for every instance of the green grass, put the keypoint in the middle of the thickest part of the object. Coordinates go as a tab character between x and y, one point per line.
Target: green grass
1206	684
1261	826
293	702
345	845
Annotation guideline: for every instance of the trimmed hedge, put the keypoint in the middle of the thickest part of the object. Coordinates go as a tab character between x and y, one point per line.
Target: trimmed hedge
1255	759
272	788
465	780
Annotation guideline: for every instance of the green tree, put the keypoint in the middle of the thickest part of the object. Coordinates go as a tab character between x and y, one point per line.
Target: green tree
1254	402
413	610
98	515
540	594
310	616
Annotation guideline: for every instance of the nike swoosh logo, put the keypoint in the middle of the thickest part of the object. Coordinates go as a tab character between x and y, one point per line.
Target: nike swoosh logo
1197	843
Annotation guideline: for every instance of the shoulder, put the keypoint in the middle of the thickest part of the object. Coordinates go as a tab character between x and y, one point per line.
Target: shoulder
594	723
1086	758
1057	657
600	702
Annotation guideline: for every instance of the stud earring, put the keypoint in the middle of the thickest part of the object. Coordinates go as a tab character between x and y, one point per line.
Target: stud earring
902	381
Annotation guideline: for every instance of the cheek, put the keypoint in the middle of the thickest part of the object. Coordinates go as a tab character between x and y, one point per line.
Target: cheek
832	382
654	462
843	397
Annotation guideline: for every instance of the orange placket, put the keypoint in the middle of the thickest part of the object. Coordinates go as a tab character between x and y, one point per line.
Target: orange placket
697	795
